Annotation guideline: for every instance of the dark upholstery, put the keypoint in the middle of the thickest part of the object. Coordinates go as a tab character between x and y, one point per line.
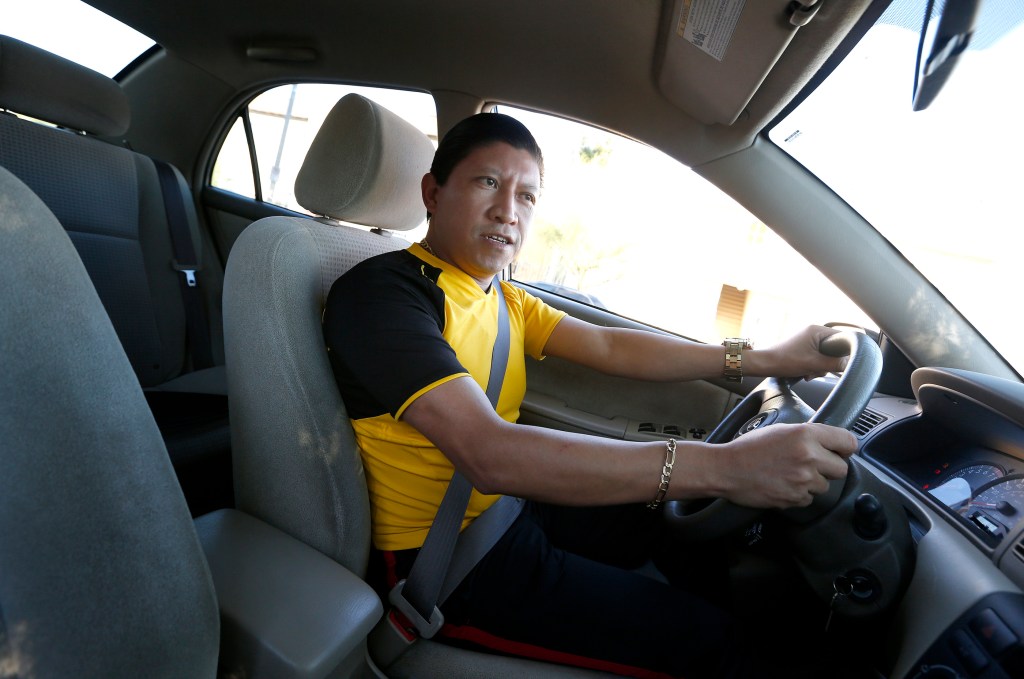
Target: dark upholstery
109	200
93	188
101	572
48	87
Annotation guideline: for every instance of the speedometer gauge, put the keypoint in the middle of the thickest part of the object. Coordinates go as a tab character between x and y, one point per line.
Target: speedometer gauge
977	475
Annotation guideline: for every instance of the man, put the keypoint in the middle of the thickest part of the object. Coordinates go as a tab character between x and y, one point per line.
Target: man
410	336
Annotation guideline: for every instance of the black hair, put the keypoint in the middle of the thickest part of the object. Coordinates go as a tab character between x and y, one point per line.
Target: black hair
480	130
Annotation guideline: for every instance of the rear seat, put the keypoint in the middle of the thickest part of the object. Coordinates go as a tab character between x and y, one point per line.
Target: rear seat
109	200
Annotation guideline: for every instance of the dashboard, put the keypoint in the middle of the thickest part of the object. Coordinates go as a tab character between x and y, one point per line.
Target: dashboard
960	448
956	455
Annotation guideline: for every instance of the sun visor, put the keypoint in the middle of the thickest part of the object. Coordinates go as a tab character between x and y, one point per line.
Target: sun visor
718	52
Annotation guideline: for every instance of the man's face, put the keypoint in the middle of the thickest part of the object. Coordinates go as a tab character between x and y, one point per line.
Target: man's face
481	215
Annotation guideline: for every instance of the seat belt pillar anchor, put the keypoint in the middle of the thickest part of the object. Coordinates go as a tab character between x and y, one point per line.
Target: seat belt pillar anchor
426	628
187	270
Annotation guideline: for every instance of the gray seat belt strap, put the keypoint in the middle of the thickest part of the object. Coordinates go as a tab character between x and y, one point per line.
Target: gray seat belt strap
418	595
477	540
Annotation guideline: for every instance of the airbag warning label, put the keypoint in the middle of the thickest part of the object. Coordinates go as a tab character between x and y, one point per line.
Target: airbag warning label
709	24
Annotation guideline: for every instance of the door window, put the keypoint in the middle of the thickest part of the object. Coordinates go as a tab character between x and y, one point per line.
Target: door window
623	226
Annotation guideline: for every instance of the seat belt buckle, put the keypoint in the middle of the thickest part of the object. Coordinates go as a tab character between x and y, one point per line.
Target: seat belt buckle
188	270
426	628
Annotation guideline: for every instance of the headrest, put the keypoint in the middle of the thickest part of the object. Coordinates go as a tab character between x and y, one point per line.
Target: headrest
365	166
41	85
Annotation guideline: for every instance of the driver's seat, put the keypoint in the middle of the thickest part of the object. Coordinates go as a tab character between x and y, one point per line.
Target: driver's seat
296	462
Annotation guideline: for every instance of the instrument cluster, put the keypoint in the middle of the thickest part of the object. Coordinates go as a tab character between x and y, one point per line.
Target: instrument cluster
987	495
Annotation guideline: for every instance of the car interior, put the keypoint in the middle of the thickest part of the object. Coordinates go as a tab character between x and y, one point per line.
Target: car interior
183	494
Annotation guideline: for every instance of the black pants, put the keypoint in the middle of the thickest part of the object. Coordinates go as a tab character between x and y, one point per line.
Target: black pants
559	587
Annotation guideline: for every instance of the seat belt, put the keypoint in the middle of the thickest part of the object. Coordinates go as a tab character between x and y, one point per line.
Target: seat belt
446	556
185	261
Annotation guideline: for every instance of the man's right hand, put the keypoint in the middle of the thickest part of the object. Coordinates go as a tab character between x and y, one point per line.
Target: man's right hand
783	465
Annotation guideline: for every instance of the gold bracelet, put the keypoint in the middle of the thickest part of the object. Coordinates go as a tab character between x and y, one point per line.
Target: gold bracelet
666	474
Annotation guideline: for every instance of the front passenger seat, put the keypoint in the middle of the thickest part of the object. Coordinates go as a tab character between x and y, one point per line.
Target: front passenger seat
101	572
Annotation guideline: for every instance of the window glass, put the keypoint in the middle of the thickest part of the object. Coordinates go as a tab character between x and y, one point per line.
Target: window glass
622	226
940	184
228	172
284	122
82	34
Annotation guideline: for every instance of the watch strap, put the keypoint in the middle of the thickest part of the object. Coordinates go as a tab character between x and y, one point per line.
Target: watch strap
734	346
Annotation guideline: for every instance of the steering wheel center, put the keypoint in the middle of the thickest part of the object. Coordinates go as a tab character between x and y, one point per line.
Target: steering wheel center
762	419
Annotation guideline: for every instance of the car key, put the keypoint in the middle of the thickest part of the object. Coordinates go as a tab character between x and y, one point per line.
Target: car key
842	587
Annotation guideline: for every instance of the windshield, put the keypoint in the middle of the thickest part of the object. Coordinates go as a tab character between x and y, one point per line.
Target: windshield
83	34
942	184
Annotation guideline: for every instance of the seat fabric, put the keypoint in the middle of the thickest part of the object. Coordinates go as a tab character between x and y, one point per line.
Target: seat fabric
101	572
108	198
296	464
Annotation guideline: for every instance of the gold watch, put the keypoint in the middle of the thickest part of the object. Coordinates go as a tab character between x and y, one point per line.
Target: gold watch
734	347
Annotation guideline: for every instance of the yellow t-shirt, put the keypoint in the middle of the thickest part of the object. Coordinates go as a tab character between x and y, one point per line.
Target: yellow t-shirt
397	326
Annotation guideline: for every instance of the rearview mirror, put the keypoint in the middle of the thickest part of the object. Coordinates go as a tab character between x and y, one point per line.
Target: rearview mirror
944	37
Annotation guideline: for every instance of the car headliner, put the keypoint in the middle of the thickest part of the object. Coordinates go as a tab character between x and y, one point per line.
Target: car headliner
594	60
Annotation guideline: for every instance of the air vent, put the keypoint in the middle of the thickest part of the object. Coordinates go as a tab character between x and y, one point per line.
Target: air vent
867	421
1018	549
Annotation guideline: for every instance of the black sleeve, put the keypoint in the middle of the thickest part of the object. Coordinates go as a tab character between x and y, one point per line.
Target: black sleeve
383	325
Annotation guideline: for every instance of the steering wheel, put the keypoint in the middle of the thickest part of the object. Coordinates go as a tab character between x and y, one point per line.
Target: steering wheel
774	401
